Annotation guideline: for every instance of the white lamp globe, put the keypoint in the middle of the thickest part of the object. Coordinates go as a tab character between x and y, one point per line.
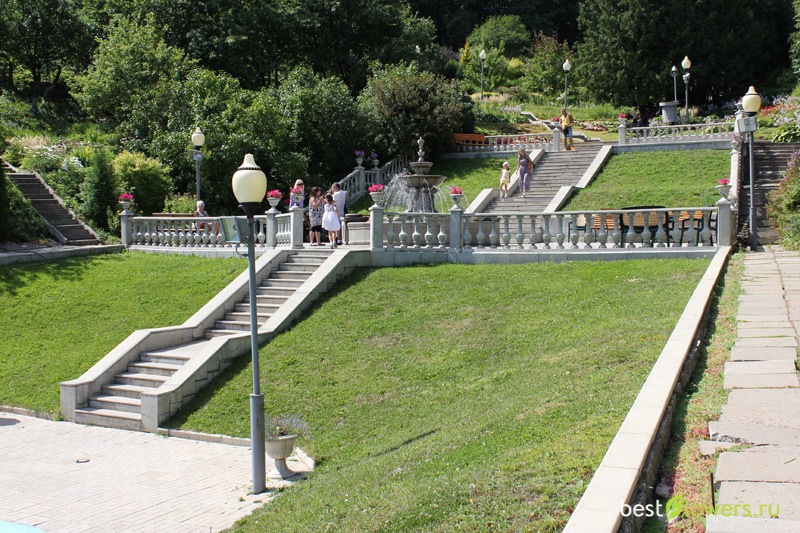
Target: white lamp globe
751	102
567	65
482	55
249	182
686	63
198	139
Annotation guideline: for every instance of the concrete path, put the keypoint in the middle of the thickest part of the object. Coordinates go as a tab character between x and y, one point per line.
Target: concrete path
60	476
761	483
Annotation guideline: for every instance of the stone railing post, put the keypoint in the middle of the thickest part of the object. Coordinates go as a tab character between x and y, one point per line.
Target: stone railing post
726	224
271	229
622	133
556	141
126	229
296	226
361	181
376	228
456	237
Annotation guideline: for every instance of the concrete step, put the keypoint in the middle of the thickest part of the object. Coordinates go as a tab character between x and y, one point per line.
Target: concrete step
143	380
164	358
299	267
128	391
212	333
265	299
244	316
234	325
109	418
116	403
293	275
278	291
262	309
151	368
753	433
282	283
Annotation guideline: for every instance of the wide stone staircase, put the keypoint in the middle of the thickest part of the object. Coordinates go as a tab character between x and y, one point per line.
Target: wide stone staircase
120	400
771	161
553	171
63	223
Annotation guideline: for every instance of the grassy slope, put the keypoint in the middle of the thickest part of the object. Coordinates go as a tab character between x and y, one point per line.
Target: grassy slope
682	178
455	396
60	318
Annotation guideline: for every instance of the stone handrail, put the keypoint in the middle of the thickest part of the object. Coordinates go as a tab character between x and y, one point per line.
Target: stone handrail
273	229
511	143
716	131
357	183
576	230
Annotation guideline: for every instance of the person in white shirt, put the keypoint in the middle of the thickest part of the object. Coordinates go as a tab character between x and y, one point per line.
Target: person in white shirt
339	197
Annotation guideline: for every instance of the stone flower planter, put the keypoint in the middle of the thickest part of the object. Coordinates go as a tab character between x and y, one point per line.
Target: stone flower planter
278	449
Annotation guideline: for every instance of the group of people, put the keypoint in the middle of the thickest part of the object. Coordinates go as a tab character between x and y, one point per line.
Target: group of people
525	164
324	213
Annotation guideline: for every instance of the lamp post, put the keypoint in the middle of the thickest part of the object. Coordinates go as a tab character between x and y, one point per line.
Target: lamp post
198	139
686	64
566	66
483	60
674	73
250	186
751	102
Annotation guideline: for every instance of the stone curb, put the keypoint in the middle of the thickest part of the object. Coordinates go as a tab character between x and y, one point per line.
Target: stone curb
58	252
635	452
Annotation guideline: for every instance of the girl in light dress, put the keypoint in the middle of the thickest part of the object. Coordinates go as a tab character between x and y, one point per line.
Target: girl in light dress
331	220
504	180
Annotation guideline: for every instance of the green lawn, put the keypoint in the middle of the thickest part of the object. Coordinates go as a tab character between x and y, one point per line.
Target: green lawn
60	318
456	397
681	178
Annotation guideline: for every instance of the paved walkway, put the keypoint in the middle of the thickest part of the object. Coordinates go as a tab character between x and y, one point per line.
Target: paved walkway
64	477
763	406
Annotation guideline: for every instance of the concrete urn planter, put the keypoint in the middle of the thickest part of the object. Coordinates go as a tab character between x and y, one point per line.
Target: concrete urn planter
278	449
377	196
273	202
724	190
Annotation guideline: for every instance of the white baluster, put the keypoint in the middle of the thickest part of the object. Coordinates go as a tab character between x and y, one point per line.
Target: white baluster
536	233
428	233
546	228
442	236
630	237
573	234
389	232
646	234
602	235
676	228
403	233
467	234
520	237
506	232
587	231
661	234
617	234
560	235
493	237
692	232
705	235
416	235
481	235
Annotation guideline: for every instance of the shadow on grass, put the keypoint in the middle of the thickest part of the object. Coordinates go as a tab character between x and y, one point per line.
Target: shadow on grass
405	443
16	276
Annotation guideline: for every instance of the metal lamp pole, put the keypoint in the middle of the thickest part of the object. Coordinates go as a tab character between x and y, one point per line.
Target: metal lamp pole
751	103
483	60
250	186
674	73
198	139
686	64
566	66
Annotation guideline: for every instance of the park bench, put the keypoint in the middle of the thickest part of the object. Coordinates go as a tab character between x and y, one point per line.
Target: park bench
470	139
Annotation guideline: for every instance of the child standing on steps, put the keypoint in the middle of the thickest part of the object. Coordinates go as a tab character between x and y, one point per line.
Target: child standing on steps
331	220
504	179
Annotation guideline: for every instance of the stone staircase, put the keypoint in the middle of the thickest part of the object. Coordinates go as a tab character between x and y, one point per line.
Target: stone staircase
553	171
120	400
63	223
771	161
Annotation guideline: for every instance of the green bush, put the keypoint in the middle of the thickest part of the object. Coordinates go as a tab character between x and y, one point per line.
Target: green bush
145	178
180	203
25	224
99	190
783	207
5	206
787	133
67	180
42	160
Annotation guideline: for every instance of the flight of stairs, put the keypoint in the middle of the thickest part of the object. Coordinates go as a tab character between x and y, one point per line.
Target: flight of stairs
68	229
771	161
119	403
553	171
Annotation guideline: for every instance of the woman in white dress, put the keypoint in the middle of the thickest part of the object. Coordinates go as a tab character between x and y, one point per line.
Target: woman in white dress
331	220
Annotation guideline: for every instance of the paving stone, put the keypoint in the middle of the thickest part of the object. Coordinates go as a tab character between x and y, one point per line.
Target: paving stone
775	299
769	407
751	308
782	366
765	332
760	381
763	318
734	524
767	341
776	464
781	500
786	323
743	353
732	432
710	447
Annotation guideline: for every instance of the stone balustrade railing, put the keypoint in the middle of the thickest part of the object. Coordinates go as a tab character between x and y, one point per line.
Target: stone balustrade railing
719	131
549	141
273	229
455	231
358	182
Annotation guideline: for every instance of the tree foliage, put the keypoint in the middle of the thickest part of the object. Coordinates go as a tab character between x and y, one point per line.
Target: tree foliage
405	103
506	34
99	189
145	178
544	72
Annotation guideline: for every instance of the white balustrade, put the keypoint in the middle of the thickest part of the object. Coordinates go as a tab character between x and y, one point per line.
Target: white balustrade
358	182
512	143
715	131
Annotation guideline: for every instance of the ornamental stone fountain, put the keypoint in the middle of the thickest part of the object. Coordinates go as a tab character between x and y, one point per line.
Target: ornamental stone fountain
416	191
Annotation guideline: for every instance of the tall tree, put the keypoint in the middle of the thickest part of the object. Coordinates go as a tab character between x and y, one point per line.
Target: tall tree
41	38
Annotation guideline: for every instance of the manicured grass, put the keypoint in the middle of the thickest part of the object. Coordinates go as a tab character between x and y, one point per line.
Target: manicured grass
456	397
681	178
60	318
683	467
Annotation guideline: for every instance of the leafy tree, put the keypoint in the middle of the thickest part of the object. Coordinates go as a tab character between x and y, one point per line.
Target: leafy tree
99	189
544	73
404	103
506	33
145	178
5	206
497	72
40	39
